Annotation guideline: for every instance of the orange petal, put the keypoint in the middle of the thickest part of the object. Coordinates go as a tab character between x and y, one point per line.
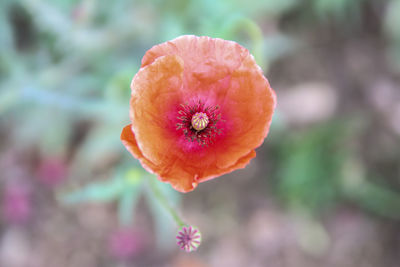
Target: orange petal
207	60
249	103
155	90
129	141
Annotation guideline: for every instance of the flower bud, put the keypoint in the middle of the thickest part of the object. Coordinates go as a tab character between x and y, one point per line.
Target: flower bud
188	238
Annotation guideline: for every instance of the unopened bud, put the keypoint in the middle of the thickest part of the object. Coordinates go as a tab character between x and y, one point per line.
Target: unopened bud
188	238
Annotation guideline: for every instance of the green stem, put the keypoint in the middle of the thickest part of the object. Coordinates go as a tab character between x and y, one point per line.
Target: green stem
241	23
165	203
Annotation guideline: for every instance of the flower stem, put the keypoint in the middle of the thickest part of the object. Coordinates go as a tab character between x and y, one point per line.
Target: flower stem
165	203
242	23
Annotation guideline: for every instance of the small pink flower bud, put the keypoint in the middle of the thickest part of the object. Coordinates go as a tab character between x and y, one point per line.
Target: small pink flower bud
188	238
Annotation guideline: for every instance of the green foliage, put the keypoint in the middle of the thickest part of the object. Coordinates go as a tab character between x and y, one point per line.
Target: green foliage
122	186
341	10
310	166
392	20
317	170
392	30
377	199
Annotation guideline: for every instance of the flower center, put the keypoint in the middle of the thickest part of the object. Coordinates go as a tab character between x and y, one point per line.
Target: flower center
199	121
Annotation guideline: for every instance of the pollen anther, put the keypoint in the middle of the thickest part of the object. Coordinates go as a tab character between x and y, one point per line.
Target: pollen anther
200	121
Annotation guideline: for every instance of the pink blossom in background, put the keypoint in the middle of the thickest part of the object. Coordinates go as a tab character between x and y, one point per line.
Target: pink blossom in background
16	203
52	172
125	243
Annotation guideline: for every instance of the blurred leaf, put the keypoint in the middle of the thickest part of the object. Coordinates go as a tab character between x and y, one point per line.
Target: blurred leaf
392	20
342	10
96	192
377	199
6	34
100	143
310	168
393	55
392	30
277	46
118	88
256	8
130	196
134	176
9	97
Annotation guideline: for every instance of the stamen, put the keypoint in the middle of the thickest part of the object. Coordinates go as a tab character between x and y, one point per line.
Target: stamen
198	122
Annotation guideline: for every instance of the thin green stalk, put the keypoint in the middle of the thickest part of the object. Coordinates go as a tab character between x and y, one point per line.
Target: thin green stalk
241	23
165	203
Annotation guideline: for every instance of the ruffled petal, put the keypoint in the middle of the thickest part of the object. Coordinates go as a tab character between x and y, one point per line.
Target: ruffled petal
156	90
129	141
207	60
248	105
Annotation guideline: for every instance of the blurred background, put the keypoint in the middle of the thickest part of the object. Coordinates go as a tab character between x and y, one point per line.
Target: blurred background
324	189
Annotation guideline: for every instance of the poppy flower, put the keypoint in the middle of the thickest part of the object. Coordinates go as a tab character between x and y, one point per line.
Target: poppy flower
199	107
